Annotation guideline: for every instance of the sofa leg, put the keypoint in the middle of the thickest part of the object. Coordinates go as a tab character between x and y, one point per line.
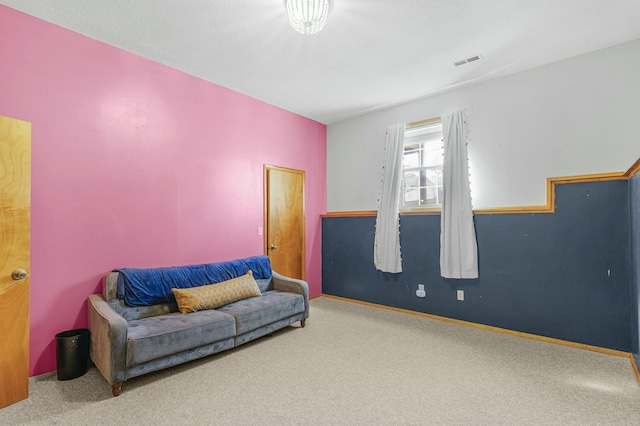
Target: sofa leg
116	389
302	323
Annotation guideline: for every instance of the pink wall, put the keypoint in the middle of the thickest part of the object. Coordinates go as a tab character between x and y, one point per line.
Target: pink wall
135	164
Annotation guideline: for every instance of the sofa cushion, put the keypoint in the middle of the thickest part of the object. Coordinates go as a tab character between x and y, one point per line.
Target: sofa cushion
254	313
215	295
264	284
138	312
155	337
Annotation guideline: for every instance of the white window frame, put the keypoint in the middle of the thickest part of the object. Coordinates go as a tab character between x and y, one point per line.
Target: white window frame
427	136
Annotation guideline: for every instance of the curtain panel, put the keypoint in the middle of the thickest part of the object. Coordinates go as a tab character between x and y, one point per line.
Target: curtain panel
458	246
386	252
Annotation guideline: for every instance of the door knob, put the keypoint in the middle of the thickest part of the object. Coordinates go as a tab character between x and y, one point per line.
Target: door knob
273	247
19	274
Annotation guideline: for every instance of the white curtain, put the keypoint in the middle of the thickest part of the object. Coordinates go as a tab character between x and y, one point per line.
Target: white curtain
386	252
458	246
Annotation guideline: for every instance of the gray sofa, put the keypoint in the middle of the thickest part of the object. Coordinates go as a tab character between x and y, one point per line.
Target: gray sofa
129	341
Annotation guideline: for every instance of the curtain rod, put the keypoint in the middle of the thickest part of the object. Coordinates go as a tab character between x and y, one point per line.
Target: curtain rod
424	122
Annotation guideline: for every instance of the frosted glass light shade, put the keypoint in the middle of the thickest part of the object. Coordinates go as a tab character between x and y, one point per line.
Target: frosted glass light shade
307	16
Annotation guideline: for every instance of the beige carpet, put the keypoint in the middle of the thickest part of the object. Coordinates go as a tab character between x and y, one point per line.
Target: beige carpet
357	365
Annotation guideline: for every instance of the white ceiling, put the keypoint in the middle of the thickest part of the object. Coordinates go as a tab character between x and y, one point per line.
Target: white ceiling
371	54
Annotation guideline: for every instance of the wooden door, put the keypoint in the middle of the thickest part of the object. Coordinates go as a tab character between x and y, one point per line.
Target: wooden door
284	211
15	207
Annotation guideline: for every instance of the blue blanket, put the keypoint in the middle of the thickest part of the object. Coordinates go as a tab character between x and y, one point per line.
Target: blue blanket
152	286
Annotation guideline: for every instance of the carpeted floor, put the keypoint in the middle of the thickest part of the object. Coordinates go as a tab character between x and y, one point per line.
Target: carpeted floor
357	365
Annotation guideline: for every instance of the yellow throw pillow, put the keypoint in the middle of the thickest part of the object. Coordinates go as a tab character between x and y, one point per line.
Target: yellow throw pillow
215	295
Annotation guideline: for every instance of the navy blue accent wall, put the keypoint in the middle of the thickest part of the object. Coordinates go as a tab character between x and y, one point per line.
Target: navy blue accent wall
634	196
565	275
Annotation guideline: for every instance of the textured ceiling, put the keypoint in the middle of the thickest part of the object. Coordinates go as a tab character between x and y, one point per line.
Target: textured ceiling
371	54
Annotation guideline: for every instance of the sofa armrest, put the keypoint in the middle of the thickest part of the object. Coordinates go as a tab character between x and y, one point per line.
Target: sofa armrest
292	285
108	339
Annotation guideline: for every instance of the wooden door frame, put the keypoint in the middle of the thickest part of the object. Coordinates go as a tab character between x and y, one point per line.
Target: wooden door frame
265	242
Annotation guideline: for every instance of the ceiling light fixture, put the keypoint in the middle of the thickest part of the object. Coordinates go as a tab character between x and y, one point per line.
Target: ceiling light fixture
307	16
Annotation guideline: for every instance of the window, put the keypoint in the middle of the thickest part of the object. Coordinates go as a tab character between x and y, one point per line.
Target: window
422	166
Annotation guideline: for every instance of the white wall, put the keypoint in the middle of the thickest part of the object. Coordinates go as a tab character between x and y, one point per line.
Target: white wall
574	117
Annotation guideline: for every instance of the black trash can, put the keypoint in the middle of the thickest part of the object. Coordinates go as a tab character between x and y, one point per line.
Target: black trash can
72	353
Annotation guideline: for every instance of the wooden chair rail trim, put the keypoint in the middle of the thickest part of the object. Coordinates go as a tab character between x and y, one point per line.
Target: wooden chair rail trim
633	169
548	208
354	213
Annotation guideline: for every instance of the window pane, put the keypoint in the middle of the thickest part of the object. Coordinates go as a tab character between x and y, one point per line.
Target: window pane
411	157
432	154
412	197
422	164
412	179
433	177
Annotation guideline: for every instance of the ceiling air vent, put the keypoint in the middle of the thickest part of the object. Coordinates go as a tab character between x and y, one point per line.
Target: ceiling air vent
467	60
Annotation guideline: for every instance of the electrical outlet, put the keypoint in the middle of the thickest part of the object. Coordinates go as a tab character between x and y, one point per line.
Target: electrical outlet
420	292
460	294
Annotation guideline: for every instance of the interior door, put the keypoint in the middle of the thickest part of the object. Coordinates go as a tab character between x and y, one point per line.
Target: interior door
284	211
15	208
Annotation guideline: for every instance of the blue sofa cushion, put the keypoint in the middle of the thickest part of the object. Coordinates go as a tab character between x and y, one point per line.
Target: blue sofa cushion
256	312
152	286
155	337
